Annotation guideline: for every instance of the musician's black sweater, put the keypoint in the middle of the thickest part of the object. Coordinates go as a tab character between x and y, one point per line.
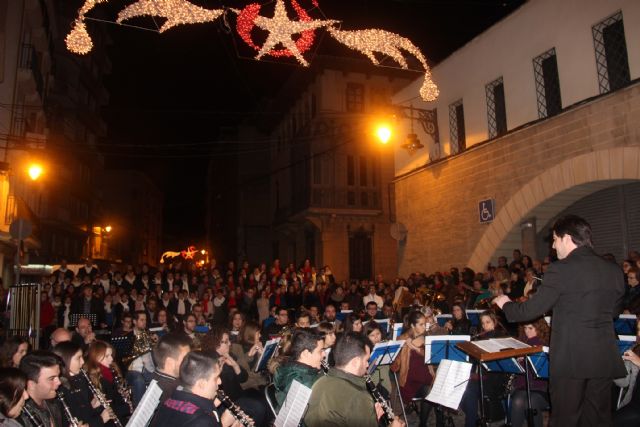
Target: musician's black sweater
186	409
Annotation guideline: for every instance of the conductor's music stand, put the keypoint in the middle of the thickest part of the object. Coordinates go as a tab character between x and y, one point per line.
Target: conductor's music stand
483	356
74	317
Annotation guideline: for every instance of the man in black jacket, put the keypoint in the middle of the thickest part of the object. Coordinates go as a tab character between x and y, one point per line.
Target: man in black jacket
585	292
193	405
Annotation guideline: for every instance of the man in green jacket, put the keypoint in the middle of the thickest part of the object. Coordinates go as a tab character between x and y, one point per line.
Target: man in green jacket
303	364
341	398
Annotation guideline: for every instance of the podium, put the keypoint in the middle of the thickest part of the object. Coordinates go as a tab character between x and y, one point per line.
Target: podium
483	356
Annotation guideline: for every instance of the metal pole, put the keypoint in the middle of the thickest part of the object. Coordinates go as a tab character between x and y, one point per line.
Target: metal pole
404	414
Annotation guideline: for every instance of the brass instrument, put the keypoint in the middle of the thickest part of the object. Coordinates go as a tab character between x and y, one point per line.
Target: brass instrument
379	398
123	388
101	398
73	421
142	345
36	422
235	410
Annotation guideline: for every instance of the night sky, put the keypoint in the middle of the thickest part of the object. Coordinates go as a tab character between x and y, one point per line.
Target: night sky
170	93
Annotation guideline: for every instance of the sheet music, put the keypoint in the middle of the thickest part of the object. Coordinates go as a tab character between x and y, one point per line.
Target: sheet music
268	352
147	406
294	406
497	344
450	384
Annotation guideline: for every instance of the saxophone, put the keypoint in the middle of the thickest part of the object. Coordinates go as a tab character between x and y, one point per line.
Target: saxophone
235	410
142	345
73	421
123	389
379	398
101	398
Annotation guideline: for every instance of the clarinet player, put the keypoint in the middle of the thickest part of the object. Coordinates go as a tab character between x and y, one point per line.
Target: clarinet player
341	398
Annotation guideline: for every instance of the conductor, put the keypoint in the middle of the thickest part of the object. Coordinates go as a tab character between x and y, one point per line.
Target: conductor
584	291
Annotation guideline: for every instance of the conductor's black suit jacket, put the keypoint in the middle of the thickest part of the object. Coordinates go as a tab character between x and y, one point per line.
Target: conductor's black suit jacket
584	291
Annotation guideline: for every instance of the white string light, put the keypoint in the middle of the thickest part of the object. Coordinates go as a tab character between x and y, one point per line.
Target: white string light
177	12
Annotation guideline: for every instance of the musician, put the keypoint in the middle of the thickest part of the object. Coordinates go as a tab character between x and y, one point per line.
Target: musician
13	394
77	393
372	312
83	335
236	324
341	397
380	376
628	412
302	363
459	323
43	380
352	323
534	333
12	352
167	355
247	349
330	316
232	375
585	293
193	404
281	322
414	377
303	320
142	365
105	376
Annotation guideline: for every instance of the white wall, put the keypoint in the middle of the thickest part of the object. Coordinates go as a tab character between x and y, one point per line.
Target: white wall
507	49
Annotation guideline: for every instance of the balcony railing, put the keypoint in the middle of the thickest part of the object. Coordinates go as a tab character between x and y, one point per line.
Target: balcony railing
330	197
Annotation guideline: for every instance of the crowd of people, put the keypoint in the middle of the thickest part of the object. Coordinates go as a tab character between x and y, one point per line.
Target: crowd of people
107	334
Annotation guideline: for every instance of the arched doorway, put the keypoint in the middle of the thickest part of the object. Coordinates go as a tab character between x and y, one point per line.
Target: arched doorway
550	193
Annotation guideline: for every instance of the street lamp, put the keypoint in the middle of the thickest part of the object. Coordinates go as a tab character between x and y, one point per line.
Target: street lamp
35	170
383	133
108	229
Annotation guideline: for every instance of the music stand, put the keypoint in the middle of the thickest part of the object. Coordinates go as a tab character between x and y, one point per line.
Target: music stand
439	347
268	353
74	317
122	345
385	353
625	342
625	324
487	356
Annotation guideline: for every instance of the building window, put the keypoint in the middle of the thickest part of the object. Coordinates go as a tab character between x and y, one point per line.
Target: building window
545	68
355	98
363	171
611	53
314	107
351	198
456	127
351	172
496	108
364	199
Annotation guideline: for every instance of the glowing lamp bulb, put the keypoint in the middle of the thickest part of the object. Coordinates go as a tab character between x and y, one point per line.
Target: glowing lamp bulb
383	132
35	171
108	229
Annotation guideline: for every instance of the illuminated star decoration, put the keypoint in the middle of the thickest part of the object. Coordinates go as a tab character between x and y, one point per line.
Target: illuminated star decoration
281	30
177	12
189	253
369	41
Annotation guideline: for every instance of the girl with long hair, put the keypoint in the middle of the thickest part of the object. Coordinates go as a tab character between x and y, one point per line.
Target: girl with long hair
75	389
13	351
106	377
13	394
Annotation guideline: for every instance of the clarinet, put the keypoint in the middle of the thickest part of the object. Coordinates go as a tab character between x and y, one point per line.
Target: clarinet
73	421
101	398
379	398
235	410
324	365
36	422
123	389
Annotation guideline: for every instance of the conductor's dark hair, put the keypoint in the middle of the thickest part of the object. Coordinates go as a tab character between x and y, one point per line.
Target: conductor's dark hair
12	384
349	346
576	227
32	363
303	339
169	345
197	365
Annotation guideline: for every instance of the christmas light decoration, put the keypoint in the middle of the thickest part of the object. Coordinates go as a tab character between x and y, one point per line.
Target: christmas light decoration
281	31
78	40
177	12
285	37
370	41
246	24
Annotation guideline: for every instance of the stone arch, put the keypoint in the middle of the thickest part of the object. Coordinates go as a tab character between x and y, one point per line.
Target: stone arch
562	184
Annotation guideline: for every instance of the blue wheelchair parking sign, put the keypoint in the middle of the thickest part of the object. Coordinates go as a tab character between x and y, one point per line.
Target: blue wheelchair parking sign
486	210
